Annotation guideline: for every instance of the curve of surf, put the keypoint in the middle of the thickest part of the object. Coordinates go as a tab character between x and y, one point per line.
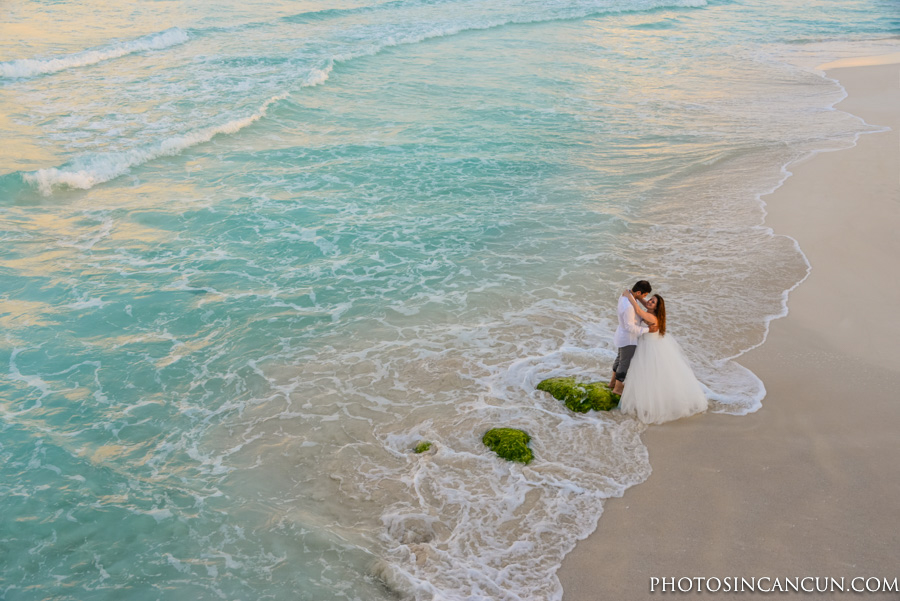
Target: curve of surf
31	67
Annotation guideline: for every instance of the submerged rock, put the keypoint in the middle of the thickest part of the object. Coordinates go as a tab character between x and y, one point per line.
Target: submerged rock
581	398
509	443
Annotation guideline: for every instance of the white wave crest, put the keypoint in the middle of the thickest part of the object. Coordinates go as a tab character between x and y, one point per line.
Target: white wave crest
85	173
30	67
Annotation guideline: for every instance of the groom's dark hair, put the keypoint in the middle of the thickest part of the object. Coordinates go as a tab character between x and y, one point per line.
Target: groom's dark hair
642	286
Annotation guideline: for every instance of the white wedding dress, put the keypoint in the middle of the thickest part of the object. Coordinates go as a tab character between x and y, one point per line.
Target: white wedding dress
660	386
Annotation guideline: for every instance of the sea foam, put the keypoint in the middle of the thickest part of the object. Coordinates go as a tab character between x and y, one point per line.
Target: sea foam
86	172
31	67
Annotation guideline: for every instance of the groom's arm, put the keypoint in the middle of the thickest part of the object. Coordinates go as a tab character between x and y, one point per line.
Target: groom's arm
630	325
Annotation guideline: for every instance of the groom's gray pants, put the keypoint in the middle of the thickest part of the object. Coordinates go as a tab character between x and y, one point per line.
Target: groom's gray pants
623	360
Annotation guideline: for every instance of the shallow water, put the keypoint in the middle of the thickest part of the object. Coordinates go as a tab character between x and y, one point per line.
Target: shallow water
253	255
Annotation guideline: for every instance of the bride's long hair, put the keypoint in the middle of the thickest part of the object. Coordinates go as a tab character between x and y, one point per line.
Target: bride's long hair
661	314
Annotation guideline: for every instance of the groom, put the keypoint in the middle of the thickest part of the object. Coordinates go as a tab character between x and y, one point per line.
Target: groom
630	328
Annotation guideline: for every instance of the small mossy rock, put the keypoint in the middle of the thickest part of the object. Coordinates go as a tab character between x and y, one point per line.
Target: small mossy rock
422	447
581	398
509	443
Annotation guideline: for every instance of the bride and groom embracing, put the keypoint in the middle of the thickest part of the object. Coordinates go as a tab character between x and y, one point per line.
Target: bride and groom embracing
661	386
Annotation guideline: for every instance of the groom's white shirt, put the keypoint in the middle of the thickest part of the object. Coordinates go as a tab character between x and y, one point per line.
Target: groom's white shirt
631	327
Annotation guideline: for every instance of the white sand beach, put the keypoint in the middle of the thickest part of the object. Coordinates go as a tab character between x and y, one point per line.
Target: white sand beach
808	485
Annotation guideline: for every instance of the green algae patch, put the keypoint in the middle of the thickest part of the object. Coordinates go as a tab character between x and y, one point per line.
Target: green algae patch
422	447
509	443
581	398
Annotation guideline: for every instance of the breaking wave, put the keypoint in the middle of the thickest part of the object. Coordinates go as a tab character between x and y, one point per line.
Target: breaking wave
90	170
31	67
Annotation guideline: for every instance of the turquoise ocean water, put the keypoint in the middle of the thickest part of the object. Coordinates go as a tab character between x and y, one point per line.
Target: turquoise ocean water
253	252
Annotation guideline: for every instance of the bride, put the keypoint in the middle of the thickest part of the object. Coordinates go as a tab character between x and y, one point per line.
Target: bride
661	385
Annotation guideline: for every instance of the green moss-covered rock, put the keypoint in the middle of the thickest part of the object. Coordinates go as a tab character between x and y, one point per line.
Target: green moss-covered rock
509	443
422	447
581	398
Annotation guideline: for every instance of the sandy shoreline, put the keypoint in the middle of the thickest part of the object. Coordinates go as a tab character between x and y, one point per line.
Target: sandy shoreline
809	485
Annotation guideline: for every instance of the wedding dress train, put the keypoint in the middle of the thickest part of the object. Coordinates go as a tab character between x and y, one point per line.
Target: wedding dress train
661	386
